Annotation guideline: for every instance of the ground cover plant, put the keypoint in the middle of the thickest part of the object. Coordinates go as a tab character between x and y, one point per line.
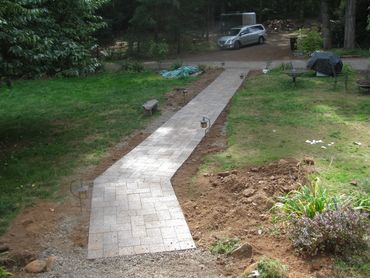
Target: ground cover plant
50	128
225	245
270	268
271	119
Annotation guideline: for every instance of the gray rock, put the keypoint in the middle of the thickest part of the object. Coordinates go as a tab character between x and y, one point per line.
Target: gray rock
249	192
243	251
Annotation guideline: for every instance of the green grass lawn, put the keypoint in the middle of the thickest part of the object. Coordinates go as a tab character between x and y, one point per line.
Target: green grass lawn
49	128
352	52
271	119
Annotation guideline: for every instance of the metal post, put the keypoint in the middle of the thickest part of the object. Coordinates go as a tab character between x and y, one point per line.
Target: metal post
335	76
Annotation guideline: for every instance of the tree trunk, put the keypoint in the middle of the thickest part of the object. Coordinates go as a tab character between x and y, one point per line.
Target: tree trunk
350	25
208	19
325	24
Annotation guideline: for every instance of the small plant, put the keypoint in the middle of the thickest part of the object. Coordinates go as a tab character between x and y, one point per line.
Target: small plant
203	68
337	231
4	273
361	202
132	66
158	51
284	67
309	40
307	201
269	268
176	65
225	245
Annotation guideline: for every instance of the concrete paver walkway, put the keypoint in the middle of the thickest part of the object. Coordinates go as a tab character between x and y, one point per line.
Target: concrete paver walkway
134	208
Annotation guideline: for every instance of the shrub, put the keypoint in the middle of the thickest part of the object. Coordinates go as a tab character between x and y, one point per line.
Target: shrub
132	66
176	65
337	231
203	68
307	201
309	40
158	51
269	268
225	245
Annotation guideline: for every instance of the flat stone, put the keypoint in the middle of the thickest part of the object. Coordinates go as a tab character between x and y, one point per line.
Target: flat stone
250	268
36	266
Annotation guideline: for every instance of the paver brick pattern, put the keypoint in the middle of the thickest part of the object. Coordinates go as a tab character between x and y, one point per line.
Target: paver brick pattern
134	209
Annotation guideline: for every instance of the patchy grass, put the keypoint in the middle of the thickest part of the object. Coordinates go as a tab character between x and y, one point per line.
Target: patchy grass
354	267
51	127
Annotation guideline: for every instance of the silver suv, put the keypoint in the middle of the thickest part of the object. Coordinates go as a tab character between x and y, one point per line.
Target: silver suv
239	36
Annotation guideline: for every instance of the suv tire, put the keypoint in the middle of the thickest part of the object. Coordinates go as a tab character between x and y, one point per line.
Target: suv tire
237	45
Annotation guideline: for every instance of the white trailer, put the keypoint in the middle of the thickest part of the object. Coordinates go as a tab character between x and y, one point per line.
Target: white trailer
229	20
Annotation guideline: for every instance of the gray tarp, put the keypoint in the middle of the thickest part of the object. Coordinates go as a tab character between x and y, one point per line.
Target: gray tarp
325	62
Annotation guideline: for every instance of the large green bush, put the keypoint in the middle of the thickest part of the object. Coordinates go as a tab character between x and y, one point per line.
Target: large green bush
309	40
46	37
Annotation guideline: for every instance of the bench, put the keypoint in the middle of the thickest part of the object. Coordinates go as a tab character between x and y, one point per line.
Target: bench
150	106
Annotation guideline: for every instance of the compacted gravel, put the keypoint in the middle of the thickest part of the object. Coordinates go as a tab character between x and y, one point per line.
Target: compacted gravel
176	264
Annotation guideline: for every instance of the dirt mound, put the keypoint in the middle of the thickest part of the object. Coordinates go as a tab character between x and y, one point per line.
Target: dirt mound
228	197
237	204
275	178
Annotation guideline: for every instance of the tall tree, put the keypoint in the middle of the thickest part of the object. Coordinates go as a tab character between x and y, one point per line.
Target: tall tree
325	24
350	24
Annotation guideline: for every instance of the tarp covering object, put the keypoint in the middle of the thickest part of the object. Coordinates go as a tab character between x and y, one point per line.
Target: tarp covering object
325	63
180	72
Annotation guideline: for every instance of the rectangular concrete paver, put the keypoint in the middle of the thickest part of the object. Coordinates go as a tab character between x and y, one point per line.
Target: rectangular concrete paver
134	208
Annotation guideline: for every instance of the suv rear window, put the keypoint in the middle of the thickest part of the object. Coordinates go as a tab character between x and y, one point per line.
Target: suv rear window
258	28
